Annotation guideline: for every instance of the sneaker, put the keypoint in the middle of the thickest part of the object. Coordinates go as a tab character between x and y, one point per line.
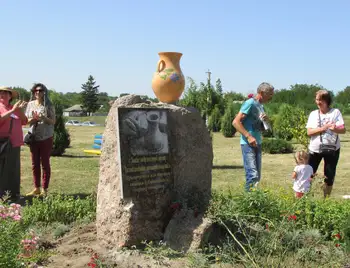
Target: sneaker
35	192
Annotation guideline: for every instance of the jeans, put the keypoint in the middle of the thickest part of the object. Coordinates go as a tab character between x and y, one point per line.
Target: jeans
41	152
252	164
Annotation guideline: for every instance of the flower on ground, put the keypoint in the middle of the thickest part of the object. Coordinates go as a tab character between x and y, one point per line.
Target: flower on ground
292	218
338	236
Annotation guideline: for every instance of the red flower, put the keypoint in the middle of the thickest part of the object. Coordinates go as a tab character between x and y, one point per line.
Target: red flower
292	217
251	95
267	227
175	205
337	245
338	236
92	264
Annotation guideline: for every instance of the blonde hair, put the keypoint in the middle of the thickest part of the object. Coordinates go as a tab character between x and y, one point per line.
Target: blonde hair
301	157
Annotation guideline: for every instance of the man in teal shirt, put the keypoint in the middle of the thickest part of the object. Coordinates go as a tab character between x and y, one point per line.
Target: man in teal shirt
249	123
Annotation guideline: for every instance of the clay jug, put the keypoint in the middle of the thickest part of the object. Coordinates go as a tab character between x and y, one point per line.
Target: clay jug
168	82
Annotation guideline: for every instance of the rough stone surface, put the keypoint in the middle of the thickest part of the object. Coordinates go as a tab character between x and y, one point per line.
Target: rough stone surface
187	231
126	222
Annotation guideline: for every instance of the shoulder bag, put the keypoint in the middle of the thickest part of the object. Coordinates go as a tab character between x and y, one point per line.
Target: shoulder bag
326	149
29	138
5	143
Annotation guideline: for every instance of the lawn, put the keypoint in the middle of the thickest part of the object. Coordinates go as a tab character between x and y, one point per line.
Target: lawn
76	172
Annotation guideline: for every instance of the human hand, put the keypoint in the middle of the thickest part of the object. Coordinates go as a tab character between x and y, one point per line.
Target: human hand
264	117
252	141
332	127
19	105
325	127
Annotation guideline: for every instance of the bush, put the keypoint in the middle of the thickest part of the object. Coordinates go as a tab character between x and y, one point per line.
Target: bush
291	123
214	123
226	123
61	138
57	208
11	234
276	146
308	231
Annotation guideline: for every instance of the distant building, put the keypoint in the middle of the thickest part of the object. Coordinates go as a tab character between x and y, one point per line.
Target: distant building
75	110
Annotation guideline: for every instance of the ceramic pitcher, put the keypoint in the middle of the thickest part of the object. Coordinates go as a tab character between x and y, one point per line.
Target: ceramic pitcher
168	82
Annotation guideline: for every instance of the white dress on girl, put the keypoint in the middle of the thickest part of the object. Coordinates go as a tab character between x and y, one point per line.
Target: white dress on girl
302	182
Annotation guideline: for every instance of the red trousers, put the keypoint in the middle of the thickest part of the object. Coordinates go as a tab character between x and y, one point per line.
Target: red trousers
41	152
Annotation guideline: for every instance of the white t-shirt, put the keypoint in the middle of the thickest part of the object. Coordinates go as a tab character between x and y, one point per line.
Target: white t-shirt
328	137
302	181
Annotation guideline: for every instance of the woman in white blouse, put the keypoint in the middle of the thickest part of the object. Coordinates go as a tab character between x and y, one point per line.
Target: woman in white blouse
324	126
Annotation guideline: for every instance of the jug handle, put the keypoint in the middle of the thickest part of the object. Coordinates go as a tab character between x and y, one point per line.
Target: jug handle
161	63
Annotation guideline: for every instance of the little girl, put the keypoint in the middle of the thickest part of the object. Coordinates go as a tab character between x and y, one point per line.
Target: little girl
302	174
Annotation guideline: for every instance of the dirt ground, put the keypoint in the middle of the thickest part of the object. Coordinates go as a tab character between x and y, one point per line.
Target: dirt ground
76	248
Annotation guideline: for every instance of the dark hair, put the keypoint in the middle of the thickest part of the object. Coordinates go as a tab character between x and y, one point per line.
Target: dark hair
39	85
47	101
325	96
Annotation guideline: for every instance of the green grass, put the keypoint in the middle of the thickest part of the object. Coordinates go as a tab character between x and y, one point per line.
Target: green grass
74	172
77	172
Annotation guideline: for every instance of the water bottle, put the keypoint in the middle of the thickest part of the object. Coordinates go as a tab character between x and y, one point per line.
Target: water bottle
265	123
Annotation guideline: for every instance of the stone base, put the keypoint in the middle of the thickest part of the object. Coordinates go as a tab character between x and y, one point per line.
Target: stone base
187	231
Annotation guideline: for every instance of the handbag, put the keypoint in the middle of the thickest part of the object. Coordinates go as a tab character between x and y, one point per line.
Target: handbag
5	143
29	138
327	149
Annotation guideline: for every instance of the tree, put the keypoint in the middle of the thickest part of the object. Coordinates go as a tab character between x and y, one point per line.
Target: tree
89	96
343	97
61	137
218	86
23	93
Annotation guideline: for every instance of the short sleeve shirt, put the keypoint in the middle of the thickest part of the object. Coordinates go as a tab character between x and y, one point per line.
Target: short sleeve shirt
316	120
302	181
252	123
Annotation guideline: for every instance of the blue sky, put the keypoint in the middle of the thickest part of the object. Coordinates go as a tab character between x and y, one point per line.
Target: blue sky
243	43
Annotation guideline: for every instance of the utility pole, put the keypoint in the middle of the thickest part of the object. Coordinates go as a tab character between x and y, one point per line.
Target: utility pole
209	96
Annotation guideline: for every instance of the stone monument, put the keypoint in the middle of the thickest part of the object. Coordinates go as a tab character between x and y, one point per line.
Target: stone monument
155	175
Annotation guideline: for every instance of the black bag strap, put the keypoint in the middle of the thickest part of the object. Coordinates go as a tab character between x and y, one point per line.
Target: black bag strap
11	123
319	118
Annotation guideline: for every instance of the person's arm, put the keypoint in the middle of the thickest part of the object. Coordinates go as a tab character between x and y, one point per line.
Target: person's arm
237	124
317	130
313	127
23	117
338	126
16	107
294	175
6	115
338	130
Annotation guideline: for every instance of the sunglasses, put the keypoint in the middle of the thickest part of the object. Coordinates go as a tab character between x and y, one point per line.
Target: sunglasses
38	90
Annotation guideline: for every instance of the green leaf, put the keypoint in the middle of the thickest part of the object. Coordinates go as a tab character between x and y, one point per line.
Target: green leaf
169	70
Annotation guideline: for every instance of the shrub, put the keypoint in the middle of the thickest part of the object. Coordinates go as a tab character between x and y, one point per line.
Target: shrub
276	146
11	234
61	138
214	123
226	123
284	121
57	208
260	223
